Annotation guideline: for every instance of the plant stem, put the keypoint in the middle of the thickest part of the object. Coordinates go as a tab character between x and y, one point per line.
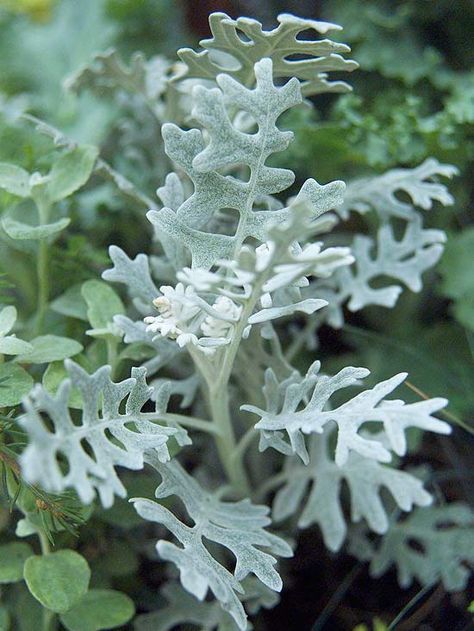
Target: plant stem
112	357
44	542
43	284
418	596
44	208
193	423
336	598
225	442
49	617
218	385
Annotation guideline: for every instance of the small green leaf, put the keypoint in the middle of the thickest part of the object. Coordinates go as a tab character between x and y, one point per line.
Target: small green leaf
25	528
102	303
12	560
14	180
58	580
54	375
7	319
15	383
71	171
71	303
19	230
50	348
99	609
11	345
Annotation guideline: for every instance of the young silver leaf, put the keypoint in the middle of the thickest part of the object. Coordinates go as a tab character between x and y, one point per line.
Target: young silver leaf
163	351
298	407
380	193
444	539
228	52
105	438
238	526
323	479
182	230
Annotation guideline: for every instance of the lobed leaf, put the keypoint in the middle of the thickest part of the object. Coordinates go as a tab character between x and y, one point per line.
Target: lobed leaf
365	479
380	193
238	526
236	45
182	227
299	406
432	544
105	438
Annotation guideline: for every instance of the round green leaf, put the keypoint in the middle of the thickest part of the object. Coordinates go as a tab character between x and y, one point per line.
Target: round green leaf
99	609
50	348
58	580
71	303
11	345
14	179
53	377
71	171
12	560
7	319
102	303
14	384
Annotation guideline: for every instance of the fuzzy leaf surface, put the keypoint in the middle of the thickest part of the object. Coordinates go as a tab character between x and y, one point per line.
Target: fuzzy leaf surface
323	479
380	192
182	230
445	545
228	52
237	526
105	438
299	406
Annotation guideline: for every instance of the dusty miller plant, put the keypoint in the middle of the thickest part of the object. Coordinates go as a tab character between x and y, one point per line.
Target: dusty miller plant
242	274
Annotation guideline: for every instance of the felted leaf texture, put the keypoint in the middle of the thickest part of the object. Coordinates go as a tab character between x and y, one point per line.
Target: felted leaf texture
432	544
205	307
107	74
299	406
135	274
236	45
183	609
105	437
404	260
380	192
237	526
181	226
323	479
